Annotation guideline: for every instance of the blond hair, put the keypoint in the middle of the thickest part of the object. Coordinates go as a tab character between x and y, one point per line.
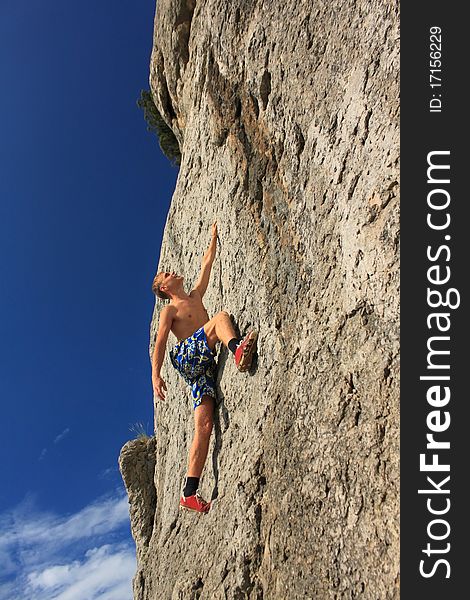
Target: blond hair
156	286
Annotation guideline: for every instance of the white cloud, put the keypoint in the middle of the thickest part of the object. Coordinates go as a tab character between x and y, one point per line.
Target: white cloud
51	577
98	518
104	573
84	556
57	439
108	473
61	436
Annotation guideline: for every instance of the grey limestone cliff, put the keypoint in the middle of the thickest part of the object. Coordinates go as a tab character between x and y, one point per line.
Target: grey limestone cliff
287	118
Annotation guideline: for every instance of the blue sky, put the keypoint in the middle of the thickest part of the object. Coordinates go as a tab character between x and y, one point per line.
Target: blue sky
84	194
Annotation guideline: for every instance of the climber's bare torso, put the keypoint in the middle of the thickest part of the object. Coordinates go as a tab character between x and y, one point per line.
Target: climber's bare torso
188	315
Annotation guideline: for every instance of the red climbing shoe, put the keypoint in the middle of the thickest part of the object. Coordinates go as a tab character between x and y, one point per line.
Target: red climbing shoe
195	503
245	350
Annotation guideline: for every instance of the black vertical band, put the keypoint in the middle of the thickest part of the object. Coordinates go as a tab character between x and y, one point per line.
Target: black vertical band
434	318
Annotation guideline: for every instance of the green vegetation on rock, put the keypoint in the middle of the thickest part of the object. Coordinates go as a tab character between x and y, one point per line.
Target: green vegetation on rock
167	140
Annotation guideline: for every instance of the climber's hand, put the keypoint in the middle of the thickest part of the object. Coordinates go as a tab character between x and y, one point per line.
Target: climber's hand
159	386
214	229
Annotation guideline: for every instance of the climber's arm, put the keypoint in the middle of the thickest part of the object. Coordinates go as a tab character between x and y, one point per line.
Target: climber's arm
164	327
207	261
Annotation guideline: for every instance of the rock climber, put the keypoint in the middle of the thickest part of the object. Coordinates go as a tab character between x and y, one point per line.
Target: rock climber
193	357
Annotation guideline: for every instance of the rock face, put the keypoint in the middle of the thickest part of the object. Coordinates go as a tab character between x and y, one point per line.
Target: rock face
287	118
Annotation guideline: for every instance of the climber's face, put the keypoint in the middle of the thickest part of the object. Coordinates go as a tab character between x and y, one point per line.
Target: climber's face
170	281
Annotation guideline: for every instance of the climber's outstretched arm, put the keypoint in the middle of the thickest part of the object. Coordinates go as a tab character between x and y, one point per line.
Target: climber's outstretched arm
203	280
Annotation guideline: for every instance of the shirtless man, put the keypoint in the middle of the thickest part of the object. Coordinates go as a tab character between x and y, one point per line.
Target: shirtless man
193	357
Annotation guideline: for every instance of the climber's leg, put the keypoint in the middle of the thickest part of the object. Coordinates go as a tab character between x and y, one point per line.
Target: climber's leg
203	423
219	329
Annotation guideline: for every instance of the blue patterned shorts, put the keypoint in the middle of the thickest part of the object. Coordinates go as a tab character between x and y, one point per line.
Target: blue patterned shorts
195	362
